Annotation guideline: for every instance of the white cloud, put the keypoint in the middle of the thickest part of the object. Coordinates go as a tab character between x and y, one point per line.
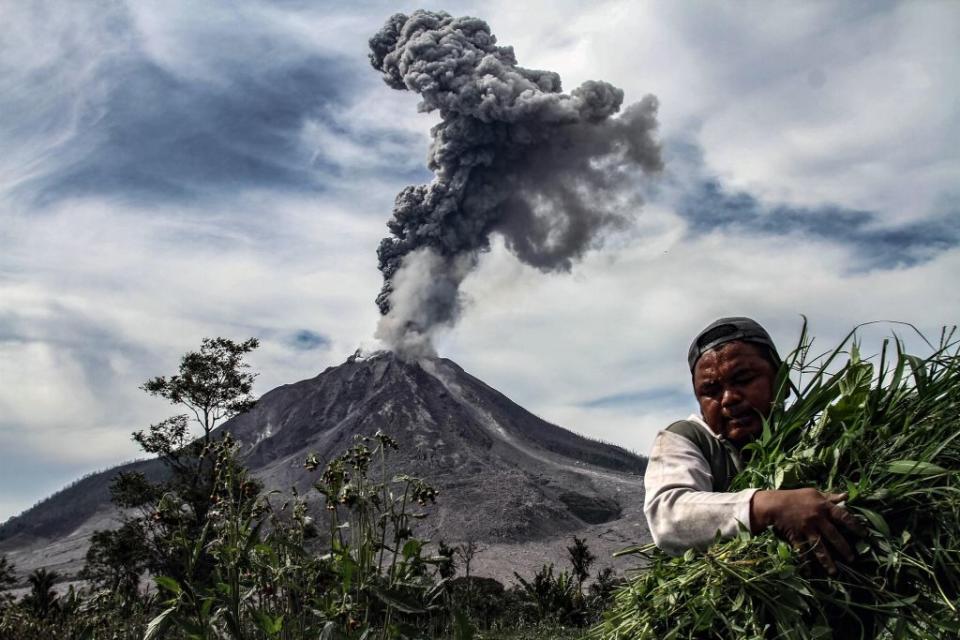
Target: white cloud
377	131
97	285
804	103
41	386
621	323
798	103
862	127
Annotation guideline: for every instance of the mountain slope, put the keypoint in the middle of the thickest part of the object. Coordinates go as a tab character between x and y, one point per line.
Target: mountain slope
505	476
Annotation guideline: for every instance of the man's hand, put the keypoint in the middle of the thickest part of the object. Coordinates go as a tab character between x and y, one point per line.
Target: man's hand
806	517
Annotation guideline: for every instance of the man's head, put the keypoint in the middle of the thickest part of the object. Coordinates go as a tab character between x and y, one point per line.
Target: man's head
734	365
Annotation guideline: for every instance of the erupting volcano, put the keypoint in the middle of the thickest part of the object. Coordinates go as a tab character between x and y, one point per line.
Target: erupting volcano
520	485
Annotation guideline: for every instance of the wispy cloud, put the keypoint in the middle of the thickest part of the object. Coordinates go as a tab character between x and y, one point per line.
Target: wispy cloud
117	117
641	399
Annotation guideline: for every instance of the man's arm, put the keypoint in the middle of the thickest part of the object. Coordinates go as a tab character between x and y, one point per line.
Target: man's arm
682	510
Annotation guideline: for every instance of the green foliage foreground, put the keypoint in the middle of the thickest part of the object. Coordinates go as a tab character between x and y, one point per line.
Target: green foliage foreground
229	561
886	433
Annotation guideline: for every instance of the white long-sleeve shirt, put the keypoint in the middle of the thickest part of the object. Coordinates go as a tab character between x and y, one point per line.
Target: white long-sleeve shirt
682	509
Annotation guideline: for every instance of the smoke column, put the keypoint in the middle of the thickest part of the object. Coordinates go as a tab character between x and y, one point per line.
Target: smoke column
512	155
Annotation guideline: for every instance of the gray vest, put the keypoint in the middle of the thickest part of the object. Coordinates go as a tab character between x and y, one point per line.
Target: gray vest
724	459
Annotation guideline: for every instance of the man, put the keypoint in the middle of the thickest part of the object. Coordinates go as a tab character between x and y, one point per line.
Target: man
734	365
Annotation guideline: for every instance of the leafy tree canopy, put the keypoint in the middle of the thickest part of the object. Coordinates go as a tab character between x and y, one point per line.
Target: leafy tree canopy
213	383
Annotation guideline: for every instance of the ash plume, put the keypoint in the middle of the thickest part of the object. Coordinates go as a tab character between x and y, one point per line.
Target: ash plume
512	155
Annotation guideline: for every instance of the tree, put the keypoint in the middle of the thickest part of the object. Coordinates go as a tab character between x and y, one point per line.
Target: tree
468	551
116	560
8	578
581	559
213	384
447	566
42	599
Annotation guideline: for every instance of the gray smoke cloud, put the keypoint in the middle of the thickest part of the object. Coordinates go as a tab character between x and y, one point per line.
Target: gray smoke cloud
512	155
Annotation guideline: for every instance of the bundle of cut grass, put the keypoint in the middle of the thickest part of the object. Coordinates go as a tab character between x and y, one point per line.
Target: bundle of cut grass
887	434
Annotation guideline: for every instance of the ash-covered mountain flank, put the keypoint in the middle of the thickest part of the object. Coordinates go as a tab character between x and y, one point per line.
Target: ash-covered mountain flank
506	477
503	472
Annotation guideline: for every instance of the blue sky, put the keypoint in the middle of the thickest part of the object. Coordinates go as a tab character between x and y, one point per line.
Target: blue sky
179	170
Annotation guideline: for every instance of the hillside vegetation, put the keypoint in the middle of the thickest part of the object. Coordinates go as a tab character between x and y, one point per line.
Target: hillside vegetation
228	559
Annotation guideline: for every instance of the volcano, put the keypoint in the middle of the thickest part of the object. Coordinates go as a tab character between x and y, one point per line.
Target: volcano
508	480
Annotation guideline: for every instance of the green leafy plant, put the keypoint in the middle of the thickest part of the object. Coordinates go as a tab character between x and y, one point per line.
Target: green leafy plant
549	596
372	581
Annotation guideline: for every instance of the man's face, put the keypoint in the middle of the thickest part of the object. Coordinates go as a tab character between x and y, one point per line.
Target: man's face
734	385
